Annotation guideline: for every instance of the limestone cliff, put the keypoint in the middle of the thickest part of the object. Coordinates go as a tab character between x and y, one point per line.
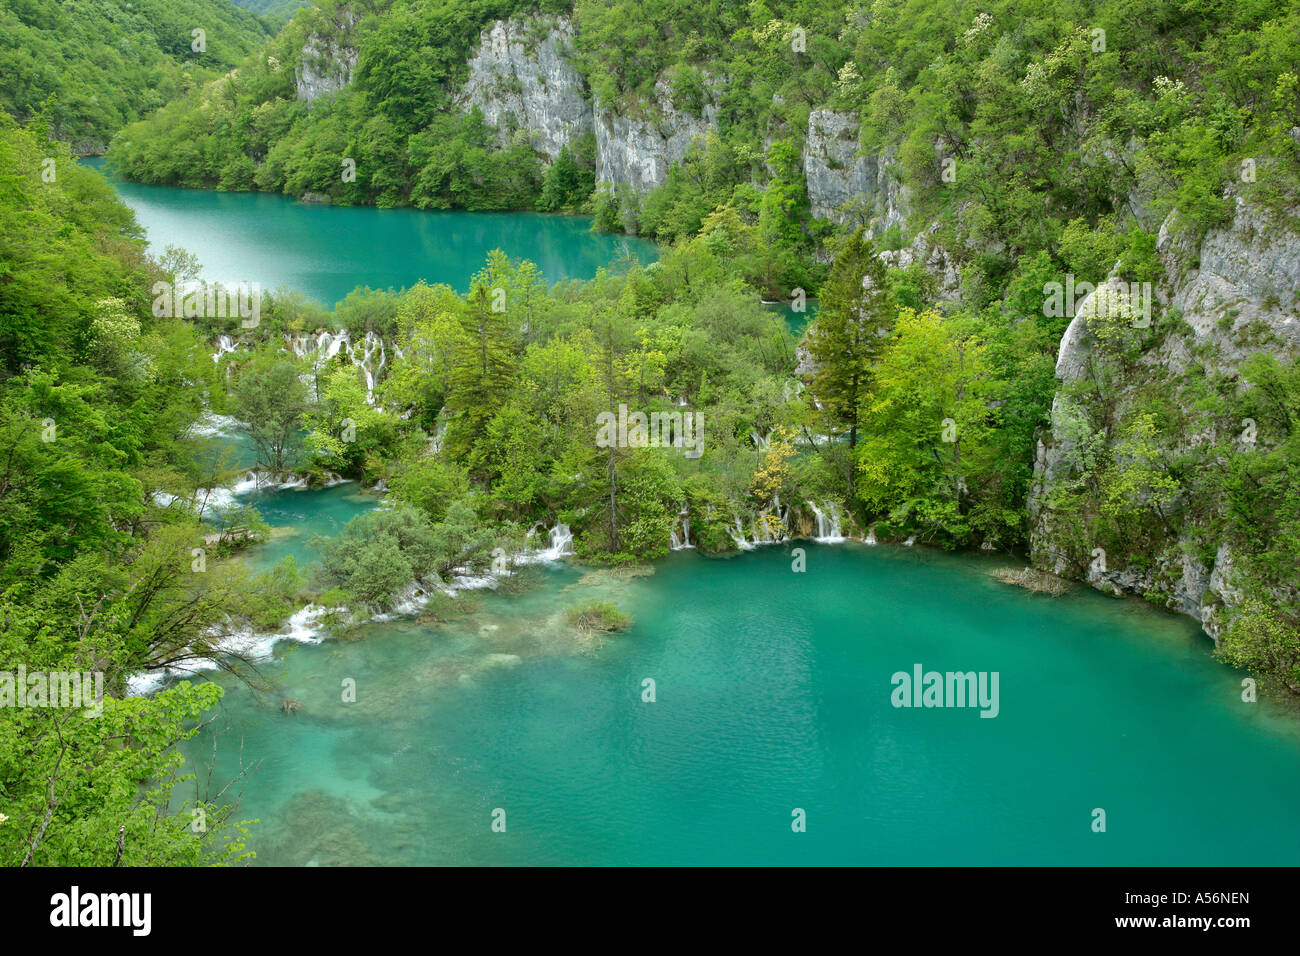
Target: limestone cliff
1230	295
843	185
328	59
638	152
520	78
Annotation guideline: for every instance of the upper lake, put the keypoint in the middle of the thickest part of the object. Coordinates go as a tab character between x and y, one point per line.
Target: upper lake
326	251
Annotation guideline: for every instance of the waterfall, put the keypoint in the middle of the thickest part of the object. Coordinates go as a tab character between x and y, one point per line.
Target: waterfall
871	535
435	440
683	542
828	523
738	536
225	344
370	355
762	531
561	542
760	441
332	341
369	344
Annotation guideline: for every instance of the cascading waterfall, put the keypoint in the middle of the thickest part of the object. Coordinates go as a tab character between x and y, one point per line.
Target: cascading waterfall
561	539
368	346
436	439
682	542
762	529
559	542
738	536
370	355
225	345
828	523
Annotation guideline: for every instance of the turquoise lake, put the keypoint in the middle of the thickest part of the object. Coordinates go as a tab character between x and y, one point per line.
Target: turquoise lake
327	251
773	687
773	693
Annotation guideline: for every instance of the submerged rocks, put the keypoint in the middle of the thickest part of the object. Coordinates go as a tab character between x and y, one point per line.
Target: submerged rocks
1031	579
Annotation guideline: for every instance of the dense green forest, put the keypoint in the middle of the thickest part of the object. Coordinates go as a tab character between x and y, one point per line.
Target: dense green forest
1017	95
91	66
98	399
275	10
914	411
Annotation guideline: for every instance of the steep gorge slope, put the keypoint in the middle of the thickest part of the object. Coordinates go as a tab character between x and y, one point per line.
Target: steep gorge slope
91	66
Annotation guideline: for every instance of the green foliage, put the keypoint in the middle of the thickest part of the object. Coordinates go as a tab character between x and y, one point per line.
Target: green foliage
380	554
270	400
429	484
854	315
598	616
570	180
97	399
1261	639
86	69
248	129
275	10
929	461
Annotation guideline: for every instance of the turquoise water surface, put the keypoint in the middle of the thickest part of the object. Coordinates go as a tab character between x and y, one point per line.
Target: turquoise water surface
773	693
327	251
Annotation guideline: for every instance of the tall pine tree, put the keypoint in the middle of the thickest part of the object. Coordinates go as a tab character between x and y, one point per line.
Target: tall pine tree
855	315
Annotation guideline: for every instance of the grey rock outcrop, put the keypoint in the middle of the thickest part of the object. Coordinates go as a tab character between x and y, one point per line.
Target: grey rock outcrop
844	186
520	78
327	63
639	151
937	262
1235	290
1246	274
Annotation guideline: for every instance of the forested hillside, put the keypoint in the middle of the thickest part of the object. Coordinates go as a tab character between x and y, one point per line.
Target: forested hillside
988	154
1017	93
274	10
98	403
91	66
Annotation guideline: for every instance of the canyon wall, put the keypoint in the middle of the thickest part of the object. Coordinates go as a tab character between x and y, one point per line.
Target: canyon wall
1235	291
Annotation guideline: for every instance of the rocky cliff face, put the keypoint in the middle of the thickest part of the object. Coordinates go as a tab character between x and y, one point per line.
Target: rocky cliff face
639	152
1235	290
520	78
327	62
844	186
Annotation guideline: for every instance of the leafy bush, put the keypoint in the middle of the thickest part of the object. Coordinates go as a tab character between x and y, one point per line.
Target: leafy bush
598	616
